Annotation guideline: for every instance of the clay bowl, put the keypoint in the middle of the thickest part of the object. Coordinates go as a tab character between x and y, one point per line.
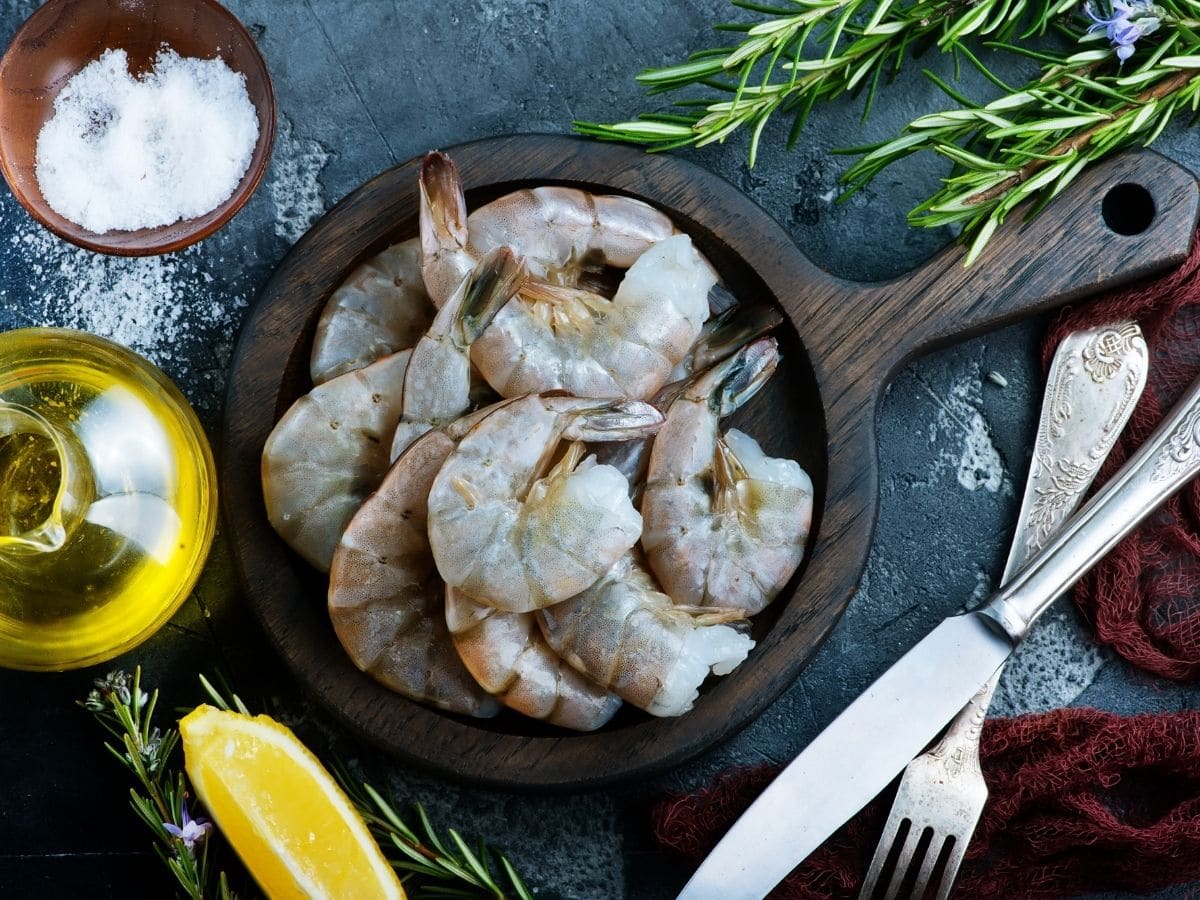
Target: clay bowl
65	35
841	342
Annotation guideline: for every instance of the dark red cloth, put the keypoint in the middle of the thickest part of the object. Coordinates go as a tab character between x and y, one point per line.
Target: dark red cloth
1143	599
1080	800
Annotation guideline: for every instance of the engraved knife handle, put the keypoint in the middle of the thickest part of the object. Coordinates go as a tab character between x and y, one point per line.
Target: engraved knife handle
1169	459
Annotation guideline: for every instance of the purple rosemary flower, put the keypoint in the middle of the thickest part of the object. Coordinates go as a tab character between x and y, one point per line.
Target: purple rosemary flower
1128	22
193	831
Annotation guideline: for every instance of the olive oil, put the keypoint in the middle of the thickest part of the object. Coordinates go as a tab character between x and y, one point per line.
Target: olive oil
30	475
107	499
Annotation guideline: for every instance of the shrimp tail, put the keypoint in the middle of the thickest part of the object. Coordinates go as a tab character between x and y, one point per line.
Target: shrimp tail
733	382
731	331
720	299
496	280
443	215
715	615
613	420
719	339
727	472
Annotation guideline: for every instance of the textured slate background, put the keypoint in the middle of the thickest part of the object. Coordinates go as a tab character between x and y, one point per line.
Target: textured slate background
363	84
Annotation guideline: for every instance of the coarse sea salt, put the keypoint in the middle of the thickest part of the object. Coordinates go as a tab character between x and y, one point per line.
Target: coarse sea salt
122	153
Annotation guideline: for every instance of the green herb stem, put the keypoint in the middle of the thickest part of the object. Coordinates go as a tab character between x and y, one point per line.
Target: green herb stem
126	712
1026	145
1034	140
798	57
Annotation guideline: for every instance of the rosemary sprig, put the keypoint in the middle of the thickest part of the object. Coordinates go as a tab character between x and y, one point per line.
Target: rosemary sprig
1033	141
1100	95
804	52
125	710
427	865
444	869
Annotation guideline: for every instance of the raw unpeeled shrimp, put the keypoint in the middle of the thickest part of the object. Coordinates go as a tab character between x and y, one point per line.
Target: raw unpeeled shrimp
565	232
557	335
551	337
514	536
381	308
386	600
625	634
725	525
437	385
510	659
561	233
328	452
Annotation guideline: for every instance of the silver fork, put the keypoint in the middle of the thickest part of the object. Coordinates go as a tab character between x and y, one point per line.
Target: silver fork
1095	379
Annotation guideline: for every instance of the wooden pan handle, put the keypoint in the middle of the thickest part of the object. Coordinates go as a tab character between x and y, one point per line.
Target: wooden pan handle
1126	219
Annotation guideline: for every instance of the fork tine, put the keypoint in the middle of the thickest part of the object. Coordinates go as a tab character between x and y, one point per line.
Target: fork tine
932	853
886	840
911	842
953	861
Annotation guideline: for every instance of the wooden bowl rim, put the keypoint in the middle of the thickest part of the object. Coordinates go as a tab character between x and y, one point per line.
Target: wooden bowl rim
259	161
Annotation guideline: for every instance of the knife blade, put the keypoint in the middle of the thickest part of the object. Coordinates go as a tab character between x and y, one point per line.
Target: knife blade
888	724
874	738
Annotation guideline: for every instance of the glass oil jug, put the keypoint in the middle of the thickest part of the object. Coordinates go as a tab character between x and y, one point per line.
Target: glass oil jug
107	499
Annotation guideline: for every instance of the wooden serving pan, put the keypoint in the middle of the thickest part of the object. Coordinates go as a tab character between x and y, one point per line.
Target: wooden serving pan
1124	220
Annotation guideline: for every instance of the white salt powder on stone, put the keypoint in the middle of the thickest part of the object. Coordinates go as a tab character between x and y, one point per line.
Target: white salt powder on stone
168	308
127	153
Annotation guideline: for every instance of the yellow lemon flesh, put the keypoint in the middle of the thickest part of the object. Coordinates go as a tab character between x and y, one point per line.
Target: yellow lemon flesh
293	827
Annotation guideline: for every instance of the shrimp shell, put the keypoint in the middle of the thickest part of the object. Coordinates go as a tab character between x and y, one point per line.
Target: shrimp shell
561	338
328	452
437	385
725	525
626	635
562	233
510	659
510	534
386	599
382	307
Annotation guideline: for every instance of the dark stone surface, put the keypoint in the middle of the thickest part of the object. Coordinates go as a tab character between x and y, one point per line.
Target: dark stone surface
363	84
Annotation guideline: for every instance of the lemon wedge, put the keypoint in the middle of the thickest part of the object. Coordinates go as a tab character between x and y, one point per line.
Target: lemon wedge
293	827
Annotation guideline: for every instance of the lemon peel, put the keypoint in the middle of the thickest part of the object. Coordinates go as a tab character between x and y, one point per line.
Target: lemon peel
294	828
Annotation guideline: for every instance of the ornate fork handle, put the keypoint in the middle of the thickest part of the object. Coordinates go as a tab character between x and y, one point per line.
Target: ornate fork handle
1095	380
958	747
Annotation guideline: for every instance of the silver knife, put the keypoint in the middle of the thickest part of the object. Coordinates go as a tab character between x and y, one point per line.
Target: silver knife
865	747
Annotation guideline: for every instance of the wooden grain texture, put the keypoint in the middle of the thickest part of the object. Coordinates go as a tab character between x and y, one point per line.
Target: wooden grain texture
842	344
63	36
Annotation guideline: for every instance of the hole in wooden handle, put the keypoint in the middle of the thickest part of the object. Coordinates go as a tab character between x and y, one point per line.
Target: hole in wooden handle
1128	209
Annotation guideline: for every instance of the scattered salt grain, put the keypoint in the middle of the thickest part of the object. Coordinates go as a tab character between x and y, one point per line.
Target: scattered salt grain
126	153
163	307
296	185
